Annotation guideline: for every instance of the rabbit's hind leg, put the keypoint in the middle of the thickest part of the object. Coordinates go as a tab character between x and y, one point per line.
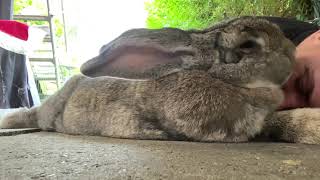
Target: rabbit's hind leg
112	119
297	125
128	122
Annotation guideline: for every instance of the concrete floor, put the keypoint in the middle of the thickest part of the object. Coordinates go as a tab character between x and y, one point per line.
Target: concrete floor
44	155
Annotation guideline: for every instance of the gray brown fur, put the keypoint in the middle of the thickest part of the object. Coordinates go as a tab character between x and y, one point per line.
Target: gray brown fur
192	85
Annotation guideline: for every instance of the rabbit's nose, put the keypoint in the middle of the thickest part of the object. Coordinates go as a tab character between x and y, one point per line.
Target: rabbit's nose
230	57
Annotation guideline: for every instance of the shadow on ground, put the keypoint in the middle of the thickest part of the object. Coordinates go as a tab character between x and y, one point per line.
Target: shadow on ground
45	155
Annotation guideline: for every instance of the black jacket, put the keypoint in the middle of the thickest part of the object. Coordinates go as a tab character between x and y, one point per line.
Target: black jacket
293	29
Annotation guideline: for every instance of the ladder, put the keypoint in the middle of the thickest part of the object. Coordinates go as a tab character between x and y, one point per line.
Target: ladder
48	66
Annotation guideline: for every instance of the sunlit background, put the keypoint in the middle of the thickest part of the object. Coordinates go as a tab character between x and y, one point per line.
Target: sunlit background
80	29
88	24
99	21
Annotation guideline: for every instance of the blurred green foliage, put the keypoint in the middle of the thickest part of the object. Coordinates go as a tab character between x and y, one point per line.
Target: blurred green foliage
186	14
68	71
37	7
20	5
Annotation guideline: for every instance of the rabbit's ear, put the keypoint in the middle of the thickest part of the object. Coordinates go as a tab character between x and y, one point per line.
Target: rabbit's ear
138	62
142	54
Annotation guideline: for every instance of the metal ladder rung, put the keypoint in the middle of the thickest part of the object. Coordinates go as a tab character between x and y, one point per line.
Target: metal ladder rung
45	78
41	60
47	39
47	72
32	17
43	50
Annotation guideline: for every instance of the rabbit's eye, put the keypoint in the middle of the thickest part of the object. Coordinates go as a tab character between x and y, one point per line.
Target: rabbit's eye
247	48
249	45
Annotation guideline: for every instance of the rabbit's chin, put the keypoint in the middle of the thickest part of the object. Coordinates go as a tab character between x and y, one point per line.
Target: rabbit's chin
267	91
262	84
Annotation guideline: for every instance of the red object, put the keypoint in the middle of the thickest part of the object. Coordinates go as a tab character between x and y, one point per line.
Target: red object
15	29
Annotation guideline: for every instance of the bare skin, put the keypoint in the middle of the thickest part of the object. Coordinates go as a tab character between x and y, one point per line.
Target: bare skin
303	87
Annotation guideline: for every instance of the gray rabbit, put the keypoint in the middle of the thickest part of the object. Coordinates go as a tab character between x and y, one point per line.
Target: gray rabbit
221	84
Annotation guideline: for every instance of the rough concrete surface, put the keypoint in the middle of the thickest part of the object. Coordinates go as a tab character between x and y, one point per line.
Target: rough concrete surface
45	155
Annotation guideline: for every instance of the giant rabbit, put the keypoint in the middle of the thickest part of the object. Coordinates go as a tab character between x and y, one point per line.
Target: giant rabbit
221	84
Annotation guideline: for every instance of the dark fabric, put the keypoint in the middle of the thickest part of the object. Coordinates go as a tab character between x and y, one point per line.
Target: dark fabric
6	8
293	29
14	88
